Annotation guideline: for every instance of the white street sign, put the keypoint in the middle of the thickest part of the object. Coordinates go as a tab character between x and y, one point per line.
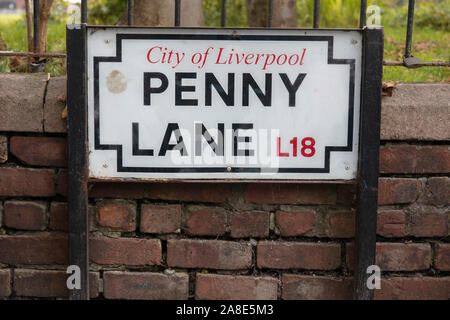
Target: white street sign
223	104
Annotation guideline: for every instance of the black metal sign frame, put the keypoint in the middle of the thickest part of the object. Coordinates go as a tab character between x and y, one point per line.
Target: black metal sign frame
367	180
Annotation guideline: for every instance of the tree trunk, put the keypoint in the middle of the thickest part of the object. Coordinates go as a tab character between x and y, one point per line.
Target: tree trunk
161	13
284	13
44	15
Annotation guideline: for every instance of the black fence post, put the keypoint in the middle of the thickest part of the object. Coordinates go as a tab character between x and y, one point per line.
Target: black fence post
177	13
130	12
223	14
316	14
409	28
77	197
366	218
270	14
363	14
83	11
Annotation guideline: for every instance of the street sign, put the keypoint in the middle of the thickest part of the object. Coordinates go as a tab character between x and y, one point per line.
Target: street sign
223	104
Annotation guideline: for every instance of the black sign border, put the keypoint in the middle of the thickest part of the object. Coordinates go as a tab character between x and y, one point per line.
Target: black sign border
131	36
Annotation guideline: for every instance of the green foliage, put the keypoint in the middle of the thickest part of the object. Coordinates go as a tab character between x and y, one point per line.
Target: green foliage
236	13
103	12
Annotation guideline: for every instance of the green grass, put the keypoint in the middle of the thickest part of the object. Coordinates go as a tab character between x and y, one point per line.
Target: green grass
429	43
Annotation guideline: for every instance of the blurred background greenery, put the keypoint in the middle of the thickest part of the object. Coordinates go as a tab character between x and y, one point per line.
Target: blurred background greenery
430	38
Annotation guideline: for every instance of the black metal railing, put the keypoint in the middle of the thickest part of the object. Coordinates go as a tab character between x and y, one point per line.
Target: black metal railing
408	61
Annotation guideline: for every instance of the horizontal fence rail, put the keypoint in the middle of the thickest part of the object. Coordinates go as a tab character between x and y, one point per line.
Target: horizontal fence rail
409	60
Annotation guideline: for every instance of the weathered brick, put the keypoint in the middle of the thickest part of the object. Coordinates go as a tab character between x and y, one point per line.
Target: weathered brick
246	224
62	182
346	194
125	251
54	105
205	221
297	255
428	224
27	182
5	283
3	149
160	218
210	254
295	223
58	216
414	288
194	192
391	223
147	286
302	287
21	101
48	283
227	287
34	249
40	151
25	215
414	159
416	112
290	193
397	256
438	191
443	256
397	190
342	224
117	215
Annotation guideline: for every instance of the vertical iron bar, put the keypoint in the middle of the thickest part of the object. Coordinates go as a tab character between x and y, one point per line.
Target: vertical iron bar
409	28
223	18
77	197
362	14
130	12
369	142
83	11
177	13
36	26
316	14
270	13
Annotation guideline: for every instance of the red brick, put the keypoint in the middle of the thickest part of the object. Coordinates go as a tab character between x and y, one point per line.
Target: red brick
342	224
295	223
209	254
296	255
227	287
443	256
48	283
5	283
62	182
58	216
301	287
346	194
3	149
205	221
397	256
391	223
430	224
438	191
193	192
40	151
117	215
39	249
291	193
414	159
27	182
125	251
414	288
249	224
397	190
25	215
160	218
146	286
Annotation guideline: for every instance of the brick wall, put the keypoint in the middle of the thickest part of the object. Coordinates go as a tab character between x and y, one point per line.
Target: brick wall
221	241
